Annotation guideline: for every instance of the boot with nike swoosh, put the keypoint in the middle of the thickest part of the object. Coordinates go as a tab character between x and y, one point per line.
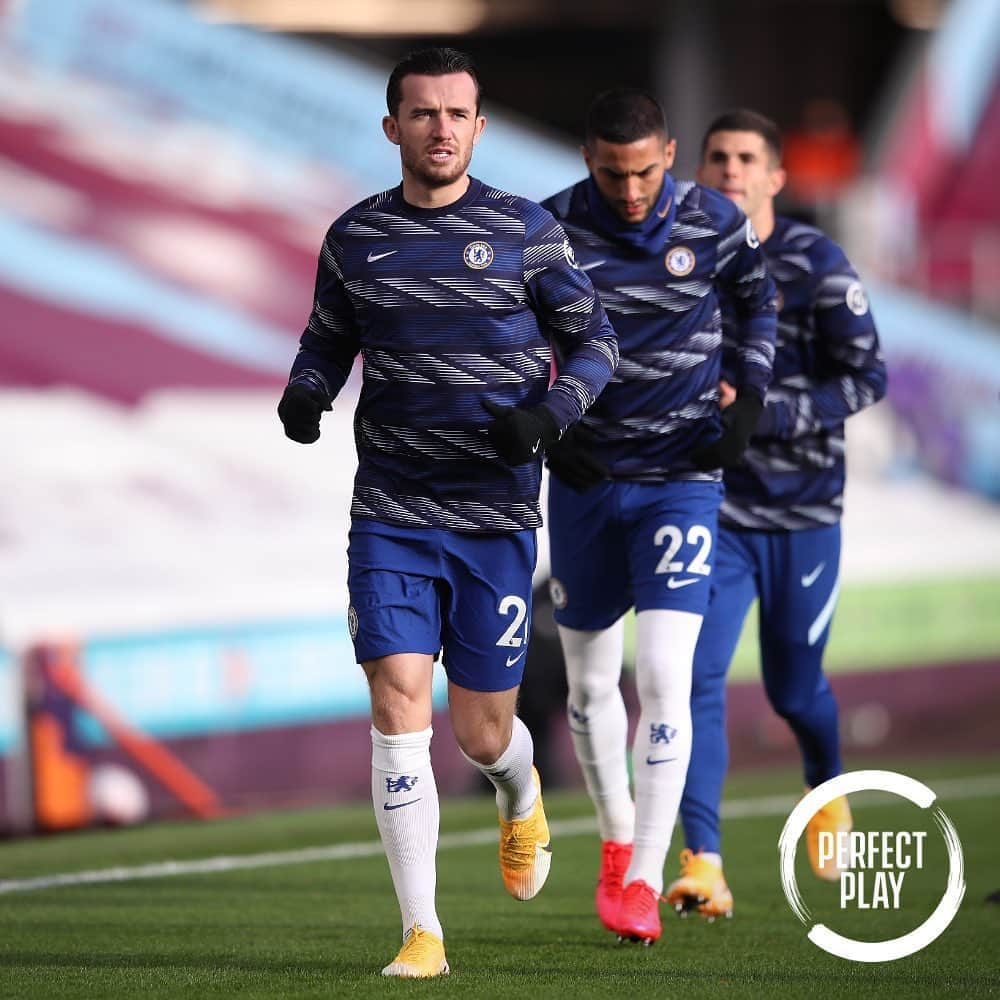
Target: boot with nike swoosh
525	854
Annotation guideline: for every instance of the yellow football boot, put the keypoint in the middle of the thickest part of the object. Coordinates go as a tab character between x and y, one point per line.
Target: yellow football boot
525	854
421	957
833	818
701	887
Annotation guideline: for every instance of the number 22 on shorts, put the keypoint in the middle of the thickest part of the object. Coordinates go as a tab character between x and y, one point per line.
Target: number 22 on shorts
672	536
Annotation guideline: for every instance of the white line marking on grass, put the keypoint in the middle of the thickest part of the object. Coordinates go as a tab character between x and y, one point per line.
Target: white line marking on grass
983	786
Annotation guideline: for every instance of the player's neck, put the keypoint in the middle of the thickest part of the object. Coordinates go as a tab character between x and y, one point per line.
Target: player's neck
421	195
763	221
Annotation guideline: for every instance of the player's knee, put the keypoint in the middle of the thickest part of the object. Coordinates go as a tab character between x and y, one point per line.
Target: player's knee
792	705
709	713
589	693
399	709
483	744
708	697
392	716
663	678
801	699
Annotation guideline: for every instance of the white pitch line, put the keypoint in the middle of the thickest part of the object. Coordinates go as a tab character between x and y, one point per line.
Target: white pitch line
767	805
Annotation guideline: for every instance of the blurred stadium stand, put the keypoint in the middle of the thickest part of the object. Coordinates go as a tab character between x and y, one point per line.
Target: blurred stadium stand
936	165
164	189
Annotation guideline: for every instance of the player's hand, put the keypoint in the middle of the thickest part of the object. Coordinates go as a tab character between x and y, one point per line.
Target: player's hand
738	422
727	394
520	434
570	459
299	412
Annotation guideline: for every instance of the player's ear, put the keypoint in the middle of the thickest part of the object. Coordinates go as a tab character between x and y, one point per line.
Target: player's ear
669	152
777	181
480	125
585	152
391	128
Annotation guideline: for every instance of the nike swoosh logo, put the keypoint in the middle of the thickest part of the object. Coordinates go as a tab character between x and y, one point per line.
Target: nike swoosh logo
659	760
666	209
592	265
675	584
538	444
399	805
372	257
512	660
808	579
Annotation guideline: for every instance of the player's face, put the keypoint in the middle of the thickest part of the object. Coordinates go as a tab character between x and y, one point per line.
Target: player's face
630	175
436	127
740	165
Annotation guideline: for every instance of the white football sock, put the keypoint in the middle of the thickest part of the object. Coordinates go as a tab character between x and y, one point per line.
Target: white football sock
407	812
665	642
510	774
598	724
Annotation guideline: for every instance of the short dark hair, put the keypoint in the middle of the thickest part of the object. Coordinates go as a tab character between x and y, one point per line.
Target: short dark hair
745	120
624	115
437	61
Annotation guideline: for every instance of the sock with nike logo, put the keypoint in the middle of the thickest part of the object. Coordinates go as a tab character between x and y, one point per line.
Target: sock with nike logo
664	651
407	813
510	774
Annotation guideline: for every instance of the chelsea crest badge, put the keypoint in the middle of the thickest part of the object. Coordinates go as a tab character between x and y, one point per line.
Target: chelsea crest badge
680	261
478	255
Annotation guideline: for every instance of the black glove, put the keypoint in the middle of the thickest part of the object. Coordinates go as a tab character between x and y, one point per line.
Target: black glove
521	434
299	411
570	459
738	422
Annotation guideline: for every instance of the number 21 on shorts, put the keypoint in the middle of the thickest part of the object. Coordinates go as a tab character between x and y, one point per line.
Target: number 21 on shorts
517	608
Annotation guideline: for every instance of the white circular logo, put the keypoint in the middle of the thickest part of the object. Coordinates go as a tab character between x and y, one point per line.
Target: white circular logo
570	256
478	255
872	951
352	621
856	298
753	240
680	261
557	592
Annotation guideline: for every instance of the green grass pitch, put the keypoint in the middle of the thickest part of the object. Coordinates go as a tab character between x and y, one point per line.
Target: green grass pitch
325	928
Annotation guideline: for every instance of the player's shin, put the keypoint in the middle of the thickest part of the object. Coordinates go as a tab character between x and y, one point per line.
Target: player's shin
665	642
598	724
407	813
511	776
525	850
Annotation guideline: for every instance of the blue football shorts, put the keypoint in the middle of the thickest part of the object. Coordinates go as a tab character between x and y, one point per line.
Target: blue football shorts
430	590
625	544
